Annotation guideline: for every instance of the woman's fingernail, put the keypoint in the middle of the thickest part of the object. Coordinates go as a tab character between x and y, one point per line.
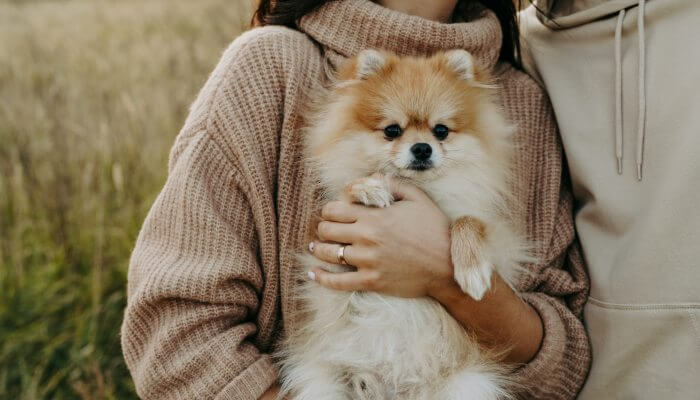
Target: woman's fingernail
312	275
312	246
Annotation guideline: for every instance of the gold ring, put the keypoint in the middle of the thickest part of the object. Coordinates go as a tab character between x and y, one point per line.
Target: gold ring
341	255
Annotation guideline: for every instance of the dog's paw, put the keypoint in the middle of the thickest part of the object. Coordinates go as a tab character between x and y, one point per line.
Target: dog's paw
474	280
371	191
472	267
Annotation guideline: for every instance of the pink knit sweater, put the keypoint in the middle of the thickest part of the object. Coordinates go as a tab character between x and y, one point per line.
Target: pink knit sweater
211	275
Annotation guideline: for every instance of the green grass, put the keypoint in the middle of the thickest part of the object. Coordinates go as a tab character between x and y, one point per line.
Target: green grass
92	94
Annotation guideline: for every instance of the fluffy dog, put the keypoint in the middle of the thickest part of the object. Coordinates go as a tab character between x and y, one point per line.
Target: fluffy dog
433	122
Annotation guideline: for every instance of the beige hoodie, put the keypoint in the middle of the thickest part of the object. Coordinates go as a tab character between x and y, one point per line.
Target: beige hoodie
624	79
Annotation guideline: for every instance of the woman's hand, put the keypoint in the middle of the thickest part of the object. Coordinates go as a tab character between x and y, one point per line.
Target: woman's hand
402	250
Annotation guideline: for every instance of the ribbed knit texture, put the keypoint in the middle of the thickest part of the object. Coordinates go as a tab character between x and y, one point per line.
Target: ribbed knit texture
211	276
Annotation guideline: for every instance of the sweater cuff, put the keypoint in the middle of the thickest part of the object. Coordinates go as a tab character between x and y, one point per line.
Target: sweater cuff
541	370
252	382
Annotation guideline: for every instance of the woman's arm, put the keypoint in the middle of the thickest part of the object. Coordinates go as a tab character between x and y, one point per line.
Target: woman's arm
558	285
204	275
499	320
195	285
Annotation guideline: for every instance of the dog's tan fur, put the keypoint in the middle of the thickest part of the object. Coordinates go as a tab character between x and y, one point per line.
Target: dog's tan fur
371	346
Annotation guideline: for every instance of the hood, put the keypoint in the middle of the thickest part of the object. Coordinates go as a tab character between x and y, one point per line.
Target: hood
566	14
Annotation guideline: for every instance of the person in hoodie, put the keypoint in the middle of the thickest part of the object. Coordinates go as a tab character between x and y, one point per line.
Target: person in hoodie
624	82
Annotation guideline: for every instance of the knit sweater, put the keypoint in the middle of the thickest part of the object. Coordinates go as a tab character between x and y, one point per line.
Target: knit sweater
213	270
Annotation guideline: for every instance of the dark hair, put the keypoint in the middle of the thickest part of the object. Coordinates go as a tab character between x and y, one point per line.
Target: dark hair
287	12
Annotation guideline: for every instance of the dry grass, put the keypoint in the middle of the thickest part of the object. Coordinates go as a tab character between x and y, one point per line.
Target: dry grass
92	93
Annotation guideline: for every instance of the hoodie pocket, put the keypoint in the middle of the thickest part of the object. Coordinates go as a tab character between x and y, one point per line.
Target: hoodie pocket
645	351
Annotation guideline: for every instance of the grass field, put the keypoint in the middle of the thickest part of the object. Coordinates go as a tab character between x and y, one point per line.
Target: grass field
92	94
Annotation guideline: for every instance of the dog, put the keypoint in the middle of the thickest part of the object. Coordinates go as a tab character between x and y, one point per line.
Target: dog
434	122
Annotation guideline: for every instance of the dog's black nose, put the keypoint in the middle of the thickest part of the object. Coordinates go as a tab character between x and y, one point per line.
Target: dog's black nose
421	151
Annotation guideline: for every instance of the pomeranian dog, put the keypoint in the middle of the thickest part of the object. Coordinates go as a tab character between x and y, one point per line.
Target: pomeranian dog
433	122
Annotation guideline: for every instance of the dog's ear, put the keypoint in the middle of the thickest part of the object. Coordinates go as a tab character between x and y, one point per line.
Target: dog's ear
462	63
366	64
369	63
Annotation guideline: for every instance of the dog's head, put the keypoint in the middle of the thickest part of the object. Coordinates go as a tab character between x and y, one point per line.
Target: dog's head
413	117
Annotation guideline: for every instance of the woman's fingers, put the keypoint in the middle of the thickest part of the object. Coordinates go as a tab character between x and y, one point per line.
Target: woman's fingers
328	252
353	255
337	232
361	280
342	211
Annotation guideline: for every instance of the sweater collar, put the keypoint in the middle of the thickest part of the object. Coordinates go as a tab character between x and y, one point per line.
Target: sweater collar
350	26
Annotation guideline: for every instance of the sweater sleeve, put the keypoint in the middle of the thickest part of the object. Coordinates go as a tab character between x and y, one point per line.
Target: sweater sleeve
560	367
194	287
558	286
203	289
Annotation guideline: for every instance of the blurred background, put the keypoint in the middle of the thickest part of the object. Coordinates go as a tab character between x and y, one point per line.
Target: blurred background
92	94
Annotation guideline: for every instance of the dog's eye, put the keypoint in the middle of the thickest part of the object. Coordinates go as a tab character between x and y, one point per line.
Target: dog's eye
393	131
441	131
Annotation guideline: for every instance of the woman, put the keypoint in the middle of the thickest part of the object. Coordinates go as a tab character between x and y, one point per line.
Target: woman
623	77
213	272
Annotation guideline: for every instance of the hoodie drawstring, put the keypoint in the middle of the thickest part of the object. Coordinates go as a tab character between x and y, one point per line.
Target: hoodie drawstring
618	91
641	122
